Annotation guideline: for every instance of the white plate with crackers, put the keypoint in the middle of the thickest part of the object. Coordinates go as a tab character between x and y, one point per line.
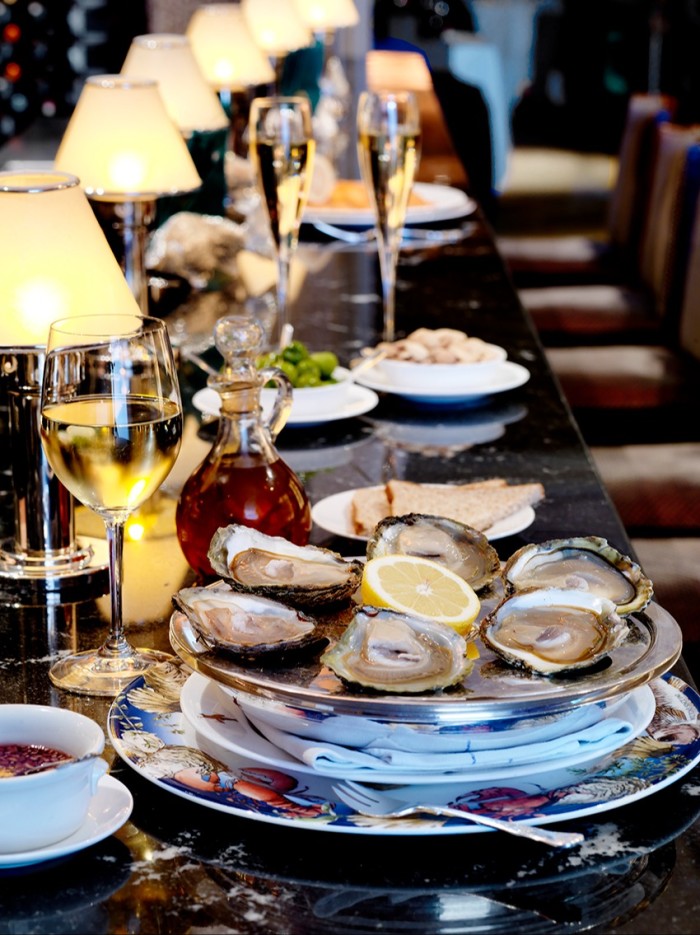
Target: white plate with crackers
353	514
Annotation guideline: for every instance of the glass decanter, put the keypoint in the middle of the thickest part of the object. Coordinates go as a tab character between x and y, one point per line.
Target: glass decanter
243	479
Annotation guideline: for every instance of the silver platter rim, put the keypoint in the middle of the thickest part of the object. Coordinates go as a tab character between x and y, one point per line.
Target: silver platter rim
658	637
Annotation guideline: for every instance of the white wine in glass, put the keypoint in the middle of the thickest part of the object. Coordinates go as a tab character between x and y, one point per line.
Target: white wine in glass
282	150
388	148
111	426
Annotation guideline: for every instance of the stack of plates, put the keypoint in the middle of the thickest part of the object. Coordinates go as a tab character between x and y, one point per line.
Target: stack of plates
270	744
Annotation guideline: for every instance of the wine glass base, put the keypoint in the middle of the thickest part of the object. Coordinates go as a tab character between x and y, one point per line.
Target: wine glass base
91	673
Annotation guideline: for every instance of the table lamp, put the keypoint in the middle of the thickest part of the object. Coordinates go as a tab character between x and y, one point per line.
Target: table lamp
194	107
277	28
324	15
55	262
230	60
127	152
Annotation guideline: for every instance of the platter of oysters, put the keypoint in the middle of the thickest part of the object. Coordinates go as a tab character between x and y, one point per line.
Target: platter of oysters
561	623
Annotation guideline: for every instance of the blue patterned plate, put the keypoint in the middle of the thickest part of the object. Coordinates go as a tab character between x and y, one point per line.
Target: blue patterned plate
150	733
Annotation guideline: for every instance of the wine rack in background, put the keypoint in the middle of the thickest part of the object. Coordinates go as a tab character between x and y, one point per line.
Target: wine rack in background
49	47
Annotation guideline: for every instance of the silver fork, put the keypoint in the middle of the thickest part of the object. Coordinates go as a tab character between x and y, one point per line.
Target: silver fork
376	804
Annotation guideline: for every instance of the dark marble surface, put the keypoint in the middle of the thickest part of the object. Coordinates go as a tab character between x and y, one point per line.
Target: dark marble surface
180	867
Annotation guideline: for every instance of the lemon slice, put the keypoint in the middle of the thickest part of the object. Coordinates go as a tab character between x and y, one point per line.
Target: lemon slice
420	586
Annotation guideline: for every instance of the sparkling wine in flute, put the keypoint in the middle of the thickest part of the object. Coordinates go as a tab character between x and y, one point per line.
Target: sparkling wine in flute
388	145
282	150
111	425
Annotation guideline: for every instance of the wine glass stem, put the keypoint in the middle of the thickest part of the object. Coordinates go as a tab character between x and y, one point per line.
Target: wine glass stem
282	294
388	258
116	643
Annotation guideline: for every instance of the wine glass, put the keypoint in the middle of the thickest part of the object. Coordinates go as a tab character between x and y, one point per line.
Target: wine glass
388	148
111	426
282	150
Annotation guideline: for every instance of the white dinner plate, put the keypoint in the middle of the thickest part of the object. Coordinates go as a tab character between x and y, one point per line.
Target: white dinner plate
109	809
334	514
222	724
507	376
161	746
442	202
358	401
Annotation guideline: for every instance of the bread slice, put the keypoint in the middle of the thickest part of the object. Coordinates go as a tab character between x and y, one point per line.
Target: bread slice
369	506
477	505
352	194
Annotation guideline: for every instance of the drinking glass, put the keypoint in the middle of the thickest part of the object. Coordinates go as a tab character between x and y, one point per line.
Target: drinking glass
388	148
111	426
282	150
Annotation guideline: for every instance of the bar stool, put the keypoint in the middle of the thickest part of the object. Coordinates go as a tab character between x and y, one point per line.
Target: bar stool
556	260
642	308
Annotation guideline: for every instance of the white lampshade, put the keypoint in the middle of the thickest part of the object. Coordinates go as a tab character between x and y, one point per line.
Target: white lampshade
276	25
225	49
122	144
55	261
189	99
327	14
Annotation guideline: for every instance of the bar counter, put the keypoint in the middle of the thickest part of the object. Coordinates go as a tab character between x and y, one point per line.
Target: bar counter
179	867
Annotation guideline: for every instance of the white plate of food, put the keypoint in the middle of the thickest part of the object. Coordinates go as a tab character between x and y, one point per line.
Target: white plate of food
505	376
356	402
334	514
350	205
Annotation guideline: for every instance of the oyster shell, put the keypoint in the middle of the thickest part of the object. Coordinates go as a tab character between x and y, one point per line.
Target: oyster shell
587	563
303	576
460	548
553	630
394	652
245	625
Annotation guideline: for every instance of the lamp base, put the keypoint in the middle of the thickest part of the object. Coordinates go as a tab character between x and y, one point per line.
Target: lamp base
53	578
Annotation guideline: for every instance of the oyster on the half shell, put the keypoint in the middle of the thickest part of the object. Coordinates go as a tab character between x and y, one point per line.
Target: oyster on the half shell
303	576
587	563
460	548
245	625
553	630
394	652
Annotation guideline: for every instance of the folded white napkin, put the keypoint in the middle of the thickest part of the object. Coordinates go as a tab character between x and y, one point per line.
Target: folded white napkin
333	759
361	732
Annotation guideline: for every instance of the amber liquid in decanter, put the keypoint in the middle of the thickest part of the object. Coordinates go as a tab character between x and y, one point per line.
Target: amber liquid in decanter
243	479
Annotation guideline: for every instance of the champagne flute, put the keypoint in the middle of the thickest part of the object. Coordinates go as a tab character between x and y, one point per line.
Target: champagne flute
388	148
111	426
282	150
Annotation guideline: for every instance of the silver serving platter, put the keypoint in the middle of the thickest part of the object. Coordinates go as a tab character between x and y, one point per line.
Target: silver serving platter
491	691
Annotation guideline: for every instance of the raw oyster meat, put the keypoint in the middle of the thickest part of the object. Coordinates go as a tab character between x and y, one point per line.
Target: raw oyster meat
553	630
460	548
245	625
587	563
303	576
394	652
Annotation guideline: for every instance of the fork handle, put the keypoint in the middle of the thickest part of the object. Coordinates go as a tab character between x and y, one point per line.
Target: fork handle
519	828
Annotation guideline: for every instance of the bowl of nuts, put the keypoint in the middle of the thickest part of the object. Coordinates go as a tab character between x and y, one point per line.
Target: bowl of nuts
440	358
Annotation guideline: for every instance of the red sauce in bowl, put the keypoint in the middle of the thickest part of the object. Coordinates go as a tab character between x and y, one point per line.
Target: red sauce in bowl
16	759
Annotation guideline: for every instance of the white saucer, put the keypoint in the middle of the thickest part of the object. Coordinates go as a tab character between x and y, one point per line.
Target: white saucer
442	203
506	376
334	514
110	807
359	400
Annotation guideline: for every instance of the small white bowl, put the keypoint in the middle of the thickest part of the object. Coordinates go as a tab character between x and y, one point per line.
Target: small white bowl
416	376
309	401
42	808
